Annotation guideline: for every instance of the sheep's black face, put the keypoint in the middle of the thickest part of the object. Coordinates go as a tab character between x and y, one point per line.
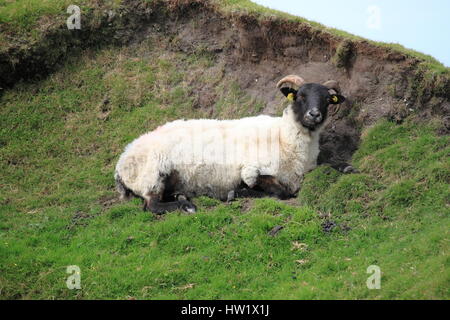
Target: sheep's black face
310	103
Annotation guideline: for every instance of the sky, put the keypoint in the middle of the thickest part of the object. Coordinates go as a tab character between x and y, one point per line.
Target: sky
416	24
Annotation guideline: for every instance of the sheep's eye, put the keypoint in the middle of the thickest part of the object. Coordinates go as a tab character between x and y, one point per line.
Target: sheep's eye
302	96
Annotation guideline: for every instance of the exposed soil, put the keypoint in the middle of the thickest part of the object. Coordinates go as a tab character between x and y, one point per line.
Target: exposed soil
378	82
79	219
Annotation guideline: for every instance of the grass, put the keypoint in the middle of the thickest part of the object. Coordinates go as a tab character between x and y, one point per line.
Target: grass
23	15
21	18
59	142
26	22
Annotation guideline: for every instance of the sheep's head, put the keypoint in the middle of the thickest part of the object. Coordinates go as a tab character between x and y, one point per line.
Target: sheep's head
310	101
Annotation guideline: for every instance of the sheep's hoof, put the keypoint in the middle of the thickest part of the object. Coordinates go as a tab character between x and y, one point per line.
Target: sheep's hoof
349	169
231	196
284	196
345	168
187	206
181	197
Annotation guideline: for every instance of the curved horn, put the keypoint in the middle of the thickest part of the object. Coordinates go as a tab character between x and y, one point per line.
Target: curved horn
333	86
292	80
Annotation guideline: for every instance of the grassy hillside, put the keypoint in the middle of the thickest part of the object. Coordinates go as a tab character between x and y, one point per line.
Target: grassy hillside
60	139
29	20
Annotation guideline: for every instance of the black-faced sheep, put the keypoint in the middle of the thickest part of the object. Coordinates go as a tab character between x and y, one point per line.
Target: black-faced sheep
217	157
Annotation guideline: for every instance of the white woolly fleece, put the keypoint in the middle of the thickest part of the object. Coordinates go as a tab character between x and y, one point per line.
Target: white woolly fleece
212	157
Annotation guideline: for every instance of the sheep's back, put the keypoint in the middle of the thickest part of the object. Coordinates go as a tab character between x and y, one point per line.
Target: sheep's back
208	155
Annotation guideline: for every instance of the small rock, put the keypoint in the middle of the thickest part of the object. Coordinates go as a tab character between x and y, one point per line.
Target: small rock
275	231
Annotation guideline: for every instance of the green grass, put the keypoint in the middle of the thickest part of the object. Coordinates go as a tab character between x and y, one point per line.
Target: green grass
21	17
24	14
59	143
25	22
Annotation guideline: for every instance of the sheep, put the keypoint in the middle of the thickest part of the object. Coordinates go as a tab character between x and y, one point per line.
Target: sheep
224	158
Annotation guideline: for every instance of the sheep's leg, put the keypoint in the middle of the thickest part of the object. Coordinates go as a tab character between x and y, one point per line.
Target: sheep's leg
171	183
246	193
153	203
167	199
273	187
268	184
262	186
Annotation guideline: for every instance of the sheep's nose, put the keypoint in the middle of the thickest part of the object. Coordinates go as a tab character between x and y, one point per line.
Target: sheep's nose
315	114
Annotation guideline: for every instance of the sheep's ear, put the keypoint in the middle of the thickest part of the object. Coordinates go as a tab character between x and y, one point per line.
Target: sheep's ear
336	99
289	93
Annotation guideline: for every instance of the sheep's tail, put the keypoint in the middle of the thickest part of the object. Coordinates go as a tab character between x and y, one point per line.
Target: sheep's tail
124	192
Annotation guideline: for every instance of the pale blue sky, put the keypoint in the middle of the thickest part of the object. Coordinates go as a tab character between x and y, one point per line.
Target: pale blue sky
422	25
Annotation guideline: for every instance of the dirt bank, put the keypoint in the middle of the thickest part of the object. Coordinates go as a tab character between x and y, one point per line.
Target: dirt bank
257	52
